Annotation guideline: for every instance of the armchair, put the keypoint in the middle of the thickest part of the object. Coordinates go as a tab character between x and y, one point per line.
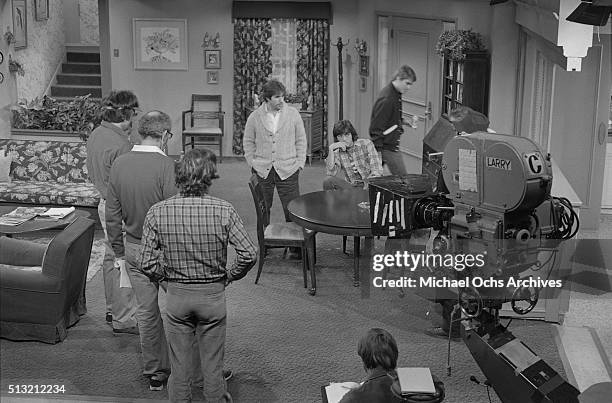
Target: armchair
202	124
40	303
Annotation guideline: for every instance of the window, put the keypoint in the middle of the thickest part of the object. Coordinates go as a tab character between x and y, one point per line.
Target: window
284	57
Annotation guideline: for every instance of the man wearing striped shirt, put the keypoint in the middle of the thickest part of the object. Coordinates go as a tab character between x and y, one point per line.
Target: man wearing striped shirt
185	241
351	161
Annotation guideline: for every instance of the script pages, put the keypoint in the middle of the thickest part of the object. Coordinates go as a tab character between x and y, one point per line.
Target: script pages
21	215
336	391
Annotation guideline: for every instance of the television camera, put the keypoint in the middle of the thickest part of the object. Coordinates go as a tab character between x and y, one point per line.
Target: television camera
489	195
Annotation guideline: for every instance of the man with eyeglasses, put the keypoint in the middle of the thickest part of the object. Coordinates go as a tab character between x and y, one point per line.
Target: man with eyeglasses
138	180
351	161
107	142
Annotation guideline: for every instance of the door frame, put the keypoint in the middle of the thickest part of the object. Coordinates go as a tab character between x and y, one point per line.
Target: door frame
446	22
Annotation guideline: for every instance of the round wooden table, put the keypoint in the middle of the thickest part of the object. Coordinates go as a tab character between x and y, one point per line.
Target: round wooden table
339	212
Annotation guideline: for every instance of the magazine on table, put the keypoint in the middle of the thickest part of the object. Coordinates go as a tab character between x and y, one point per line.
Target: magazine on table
56	213
21	215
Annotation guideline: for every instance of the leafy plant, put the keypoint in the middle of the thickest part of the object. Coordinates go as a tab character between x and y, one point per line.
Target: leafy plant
16	67
9	37
294	98
456	43
81	114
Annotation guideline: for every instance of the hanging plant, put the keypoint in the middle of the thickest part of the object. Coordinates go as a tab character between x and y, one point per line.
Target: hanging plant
9	37
16	67
456	43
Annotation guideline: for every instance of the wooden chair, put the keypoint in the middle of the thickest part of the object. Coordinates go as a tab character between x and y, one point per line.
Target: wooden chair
279	235
203	123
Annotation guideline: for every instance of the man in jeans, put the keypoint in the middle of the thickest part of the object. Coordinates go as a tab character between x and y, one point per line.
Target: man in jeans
107	142
185	240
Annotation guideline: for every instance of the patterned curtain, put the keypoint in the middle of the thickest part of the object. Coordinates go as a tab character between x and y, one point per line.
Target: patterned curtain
252	67
313	63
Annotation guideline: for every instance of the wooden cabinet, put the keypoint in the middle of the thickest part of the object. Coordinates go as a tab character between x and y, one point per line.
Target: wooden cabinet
313	124
466	82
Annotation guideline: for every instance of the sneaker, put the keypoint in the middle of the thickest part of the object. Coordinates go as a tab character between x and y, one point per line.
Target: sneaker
155	384
441	333
227	374
127	330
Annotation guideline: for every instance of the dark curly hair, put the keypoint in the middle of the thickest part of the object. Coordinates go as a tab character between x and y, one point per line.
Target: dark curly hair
119	106
196	171
272	88
342	127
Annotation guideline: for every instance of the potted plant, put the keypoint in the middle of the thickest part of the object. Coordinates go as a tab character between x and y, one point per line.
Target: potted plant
294	100
455	44
9	37
15	66
48	116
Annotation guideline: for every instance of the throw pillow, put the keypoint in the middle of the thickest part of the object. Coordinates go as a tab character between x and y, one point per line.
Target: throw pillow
5	166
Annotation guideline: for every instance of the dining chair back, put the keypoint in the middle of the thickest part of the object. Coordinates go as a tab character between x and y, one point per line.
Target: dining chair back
278	235
203	123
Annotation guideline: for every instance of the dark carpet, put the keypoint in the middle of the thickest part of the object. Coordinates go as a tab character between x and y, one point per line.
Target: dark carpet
282	343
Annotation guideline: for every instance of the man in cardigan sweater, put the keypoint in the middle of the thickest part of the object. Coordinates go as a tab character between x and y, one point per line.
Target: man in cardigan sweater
275	146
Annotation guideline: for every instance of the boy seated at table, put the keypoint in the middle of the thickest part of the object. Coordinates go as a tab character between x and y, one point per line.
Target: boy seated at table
351	161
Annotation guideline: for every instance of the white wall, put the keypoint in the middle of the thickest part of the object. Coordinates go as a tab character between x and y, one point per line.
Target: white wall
8	89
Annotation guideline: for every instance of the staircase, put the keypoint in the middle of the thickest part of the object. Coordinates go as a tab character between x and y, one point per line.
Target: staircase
80	75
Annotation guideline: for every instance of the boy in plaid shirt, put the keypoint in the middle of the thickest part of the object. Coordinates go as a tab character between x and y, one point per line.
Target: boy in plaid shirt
351	161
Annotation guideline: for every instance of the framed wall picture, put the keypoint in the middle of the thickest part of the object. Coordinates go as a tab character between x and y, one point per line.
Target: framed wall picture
212	77
363	83
20	23
42	9
160	44
364	65
212	59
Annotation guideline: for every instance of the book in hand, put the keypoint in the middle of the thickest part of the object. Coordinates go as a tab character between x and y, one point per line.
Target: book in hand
56	213
336	391
415	380
21	215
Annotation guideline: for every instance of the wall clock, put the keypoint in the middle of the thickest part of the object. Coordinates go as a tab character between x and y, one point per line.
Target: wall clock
1	57
1	78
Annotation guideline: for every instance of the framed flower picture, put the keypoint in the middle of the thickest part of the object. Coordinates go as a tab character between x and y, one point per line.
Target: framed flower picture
212	77
160	44
212	59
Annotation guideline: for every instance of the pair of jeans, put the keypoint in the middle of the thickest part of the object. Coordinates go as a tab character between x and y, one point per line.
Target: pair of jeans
152	338
394	161
287	189
121	302
196	312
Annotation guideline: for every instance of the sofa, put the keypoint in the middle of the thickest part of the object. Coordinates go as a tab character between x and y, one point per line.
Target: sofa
42	287
46	173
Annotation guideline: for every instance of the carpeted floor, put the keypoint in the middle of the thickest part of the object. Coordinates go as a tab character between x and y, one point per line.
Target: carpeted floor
282	343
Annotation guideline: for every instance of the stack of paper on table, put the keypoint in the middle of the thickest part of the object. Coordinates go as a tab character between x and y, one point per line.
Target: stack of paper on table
56	213
21	215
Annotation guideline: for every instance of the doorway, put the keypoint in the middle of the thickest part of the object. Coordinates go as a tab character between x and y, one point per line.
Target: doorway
411	41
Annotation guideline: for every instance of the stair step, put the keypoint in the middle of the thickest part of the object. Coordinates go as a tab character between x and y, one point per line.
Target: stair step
88	68
79	79
71	91
82	57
